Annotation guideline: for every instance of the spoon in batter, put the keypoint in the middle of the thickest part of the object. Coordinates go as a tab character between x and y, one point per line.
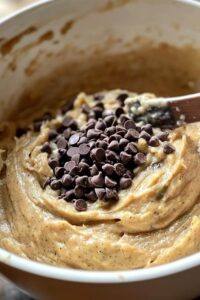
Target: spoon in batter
165	112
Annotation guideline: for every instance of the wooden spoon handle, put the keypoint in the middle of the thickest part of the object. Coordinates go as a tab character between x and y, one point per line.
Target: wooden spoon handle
186	108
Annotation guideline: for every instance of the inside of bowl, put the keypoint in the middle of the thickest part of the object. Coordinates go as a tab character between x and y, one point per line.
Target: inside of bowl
101	45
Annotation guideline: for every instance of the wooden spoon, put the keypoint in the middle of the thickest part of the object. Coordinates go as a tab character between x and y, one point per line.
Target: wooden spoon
187	106
166	112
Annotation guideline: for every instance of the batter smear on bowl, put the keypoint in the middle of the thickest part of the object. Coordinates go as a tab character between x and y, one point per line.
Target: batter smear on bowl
96	187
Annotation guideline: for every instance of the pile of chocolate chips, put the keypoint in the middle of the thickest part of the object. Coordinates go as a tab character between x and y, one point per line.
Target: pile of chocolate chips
95	162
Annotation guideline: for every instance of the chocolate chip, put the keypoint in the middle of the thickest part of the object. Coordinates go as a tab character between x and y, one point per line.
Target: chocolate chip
55	185
93	134
99	104
46	148
121	133
100	125
110	130
74	171
92	144
98	112
114	146
84	149
98	154
76	158
125	157
154	141
69	195
163	136
73	140
67	133
90	184
132	134
147	128
67	121
103	144
120	128
59	172
129	124
123	143
123	118
131	148
119	169
90	124
21	131
98	180
62	152
119	111
80	205
139	159
67	180
91	196
125	182
47	116
117	137
111	194
107	113
93	170
145	135
46	183
83	140
52	134
84	167
168	148
61	142
115	122
109	182
100	192
122	97
111	156
53	163
128	174
108	169
103	136
86	160
78	191
72	151
69	165
37	125
82	181
85	109
109	120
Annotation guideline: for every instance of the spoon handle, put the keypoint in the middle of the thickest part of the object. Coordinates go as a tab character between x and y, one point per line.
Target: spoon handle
186	108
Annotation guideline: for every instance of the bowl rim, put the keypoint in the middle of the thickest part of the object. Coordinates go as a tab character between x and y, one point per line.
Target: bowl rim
84	276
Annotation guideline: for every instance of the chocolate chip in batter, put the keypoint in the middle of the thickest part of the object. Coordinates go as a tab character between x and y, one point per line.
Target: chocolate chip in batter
46	148
122	97
140	159
163	136
84	149
80	205
21	131
168	148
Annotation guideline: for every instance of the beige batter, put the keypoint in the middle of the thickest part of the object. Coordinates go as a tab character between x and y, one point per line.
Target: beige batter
156	220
